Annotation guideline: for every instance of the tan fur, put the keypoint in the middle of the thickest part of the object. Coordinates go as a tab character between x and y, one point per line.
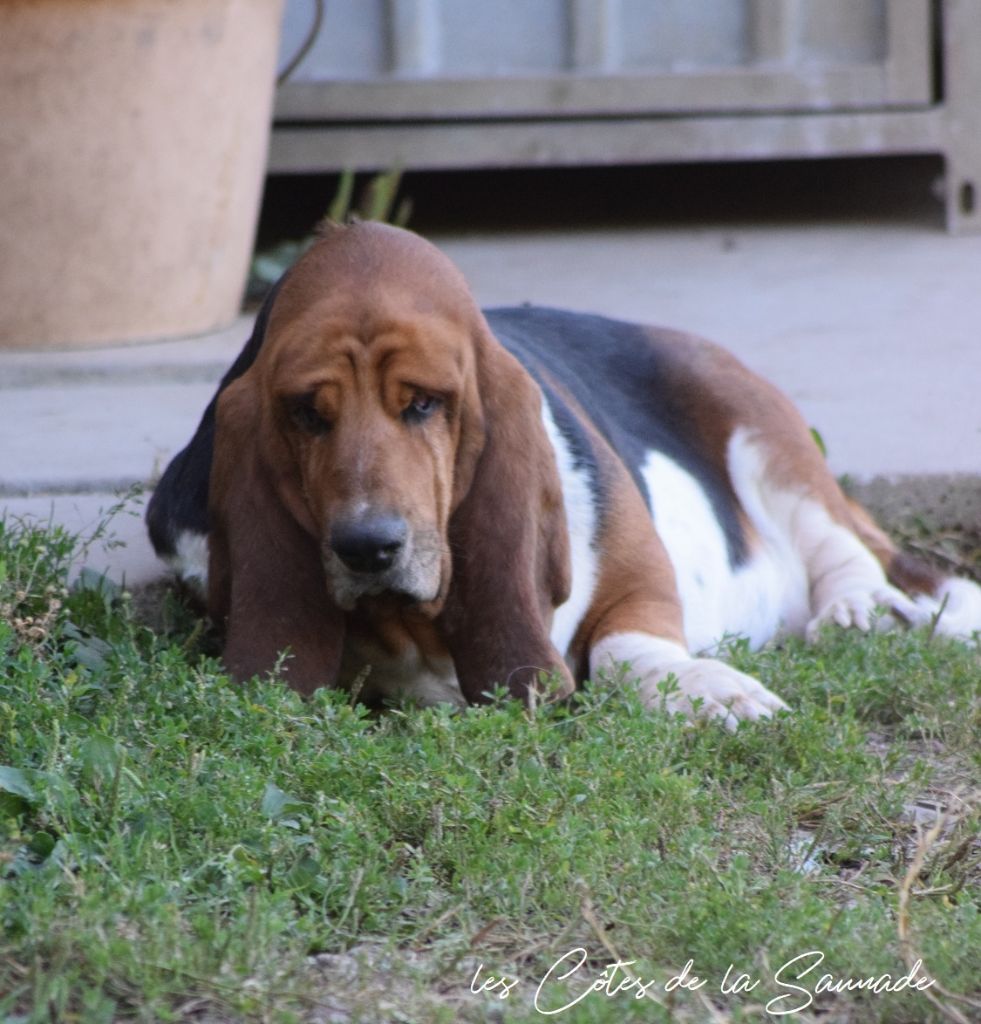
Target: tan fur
368	318
721	393
636	588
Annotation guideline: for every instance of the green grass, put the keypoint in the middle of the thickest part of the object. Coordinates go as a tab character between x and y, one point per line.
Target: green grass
176	847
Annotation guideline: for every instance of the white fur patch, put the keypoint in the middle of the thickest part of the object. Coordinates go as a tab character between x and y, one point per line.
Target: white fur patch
805	570
580	517
705	688
190	561
753	600
836	578
957	606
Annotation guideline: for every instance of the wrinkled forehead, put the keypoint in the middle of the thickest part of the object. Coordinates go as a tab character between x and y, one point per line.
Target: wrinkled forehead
372	271
369	283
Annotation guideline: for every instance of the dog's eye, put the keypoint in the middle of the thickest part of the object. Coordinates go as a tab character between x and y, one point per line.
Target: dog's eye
420	408
304	415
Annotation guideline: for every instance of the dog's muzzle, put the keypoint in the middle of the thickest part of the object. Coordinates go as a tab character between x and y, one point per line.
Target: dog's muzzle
380	554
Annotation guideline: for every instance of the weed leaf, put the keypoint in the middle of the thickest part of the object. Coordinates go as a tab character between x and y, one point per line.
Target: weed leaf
12	780
276	803
89	579
100	757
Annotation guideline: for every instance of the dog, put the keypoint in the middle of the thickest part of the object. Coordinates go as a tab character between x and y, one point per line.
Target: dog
391	481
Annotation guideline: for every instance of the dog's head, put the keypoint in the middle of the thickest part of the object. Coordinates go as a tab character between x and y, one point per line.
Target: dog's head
383	452
367	386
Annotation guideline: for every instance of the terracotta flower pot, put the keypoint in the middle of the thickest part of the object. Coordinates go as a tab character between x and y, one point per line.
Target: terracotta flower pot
133	141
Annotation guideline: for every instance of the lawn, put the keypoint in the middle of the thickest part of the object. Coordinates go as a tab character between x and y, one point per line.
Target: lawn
174	847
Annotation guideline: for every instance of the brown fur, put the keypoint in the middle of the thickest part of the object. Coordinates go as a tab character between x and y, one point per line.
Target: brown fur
367	317
265	582
636	588
909	573
719	394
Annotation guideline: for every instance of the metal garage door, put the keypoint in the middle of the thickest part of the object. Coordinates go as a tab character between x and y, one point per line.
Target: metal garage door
478	59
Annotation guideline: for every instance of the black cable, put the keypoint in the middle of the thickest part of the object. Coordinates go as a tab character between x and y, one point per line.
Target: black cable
307	44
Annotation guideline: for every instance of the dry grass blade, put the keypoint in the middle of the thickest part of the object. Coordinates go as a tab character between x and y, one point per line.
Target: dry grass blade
601	933
911	958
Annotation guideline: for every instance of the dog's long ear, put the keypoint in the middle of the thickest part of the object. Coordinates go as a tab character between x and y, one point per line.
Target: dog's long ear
507	533
265	580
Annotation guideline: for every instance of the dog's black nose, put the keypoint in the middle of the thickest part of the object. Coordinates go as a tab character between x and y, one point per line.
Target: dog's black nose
369	544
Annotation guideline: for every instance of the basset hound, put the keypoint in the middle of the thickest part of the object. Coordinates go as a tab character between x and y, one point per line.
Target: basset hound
395	487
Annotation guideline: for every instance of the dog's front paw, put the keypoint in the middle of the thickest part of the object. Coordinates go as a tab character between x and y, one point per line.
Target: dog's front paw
705	688
669	678
856	609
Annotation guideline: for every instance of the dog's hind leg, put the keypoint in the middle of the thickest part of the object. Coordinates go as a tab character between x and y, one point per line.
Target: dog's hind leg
852	567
